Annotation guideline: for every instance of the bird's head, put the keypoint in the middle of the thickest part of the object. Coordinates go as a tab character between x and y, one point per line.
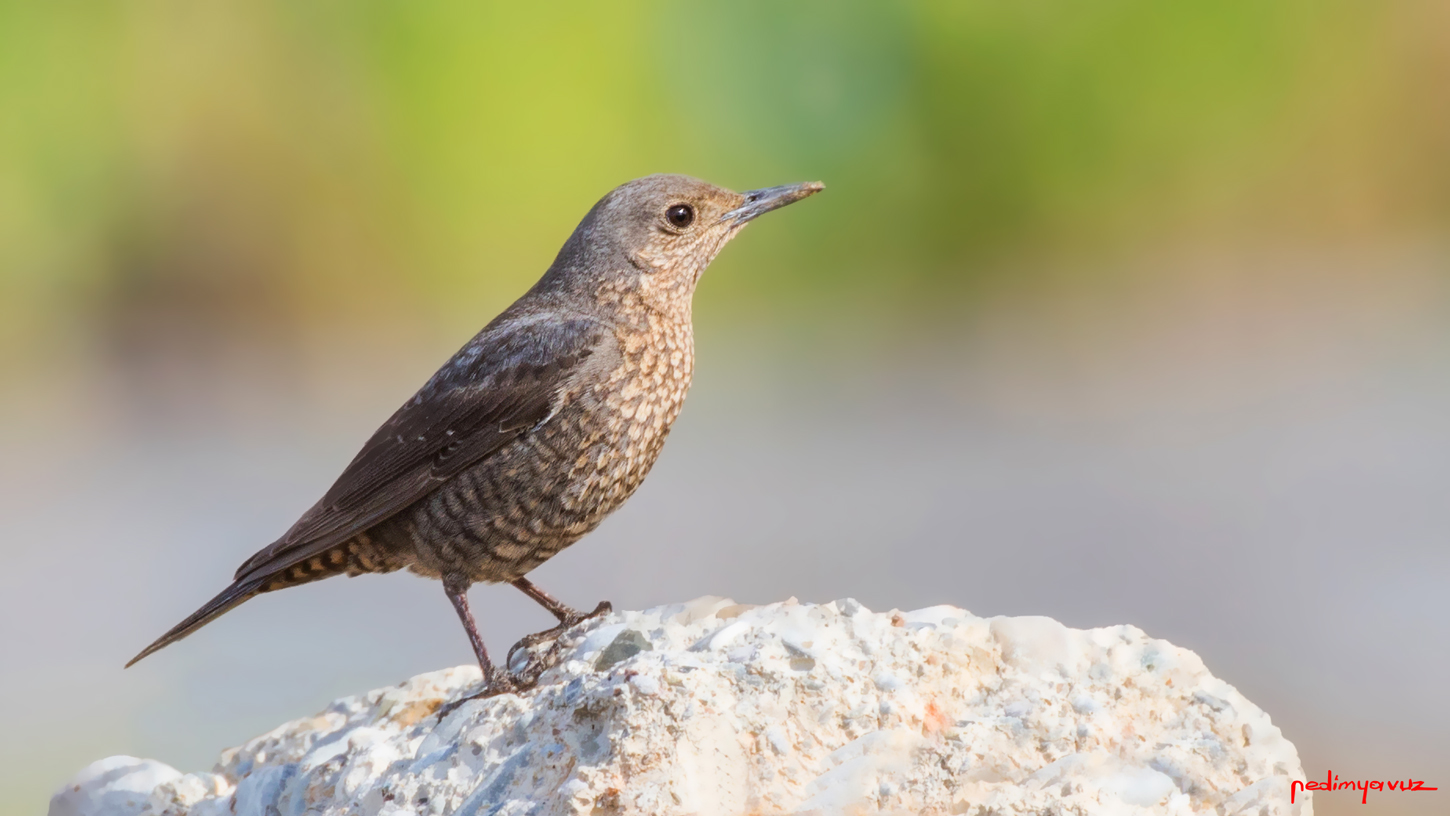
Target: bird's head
649	240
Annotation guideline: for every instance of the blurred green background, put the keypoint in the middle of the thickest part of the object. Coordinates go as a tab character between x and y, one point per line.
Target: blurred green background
334	162
234	235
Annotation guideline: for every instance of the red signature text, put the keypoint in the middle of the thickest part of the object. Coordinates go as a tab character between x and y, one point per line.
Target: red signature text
1332	782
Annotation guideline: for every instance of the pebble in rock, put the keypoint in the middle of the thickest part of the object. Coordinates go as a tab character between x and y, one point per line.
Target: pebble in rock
712	707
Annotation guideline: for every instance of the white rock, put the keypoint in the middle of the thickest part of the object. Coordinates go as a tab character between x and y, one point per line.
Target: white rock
719	708
117	786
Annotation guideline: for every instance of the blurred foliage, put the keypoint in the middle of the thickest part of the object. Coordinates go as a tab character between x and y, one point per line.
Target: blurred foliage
293	165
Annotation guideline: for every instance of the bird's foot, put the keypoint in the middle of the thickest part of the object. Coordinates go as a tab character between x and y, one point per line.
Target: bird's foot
537	664
498	682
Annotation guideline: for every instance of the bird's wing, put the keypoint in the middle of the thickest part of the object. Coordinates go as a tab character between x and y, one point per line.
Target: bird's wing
504	382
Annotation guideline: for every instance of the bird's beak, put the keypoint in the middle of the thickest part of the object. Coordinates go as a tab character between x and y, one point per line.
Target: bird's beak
762	201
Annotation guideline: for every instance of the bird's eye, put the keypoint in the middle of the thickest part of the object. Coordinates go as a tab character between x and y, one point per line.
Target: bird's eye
681	215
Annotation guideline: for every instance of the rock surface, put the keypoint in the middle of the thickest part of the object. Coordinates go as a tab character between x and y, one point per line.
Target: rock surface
711	707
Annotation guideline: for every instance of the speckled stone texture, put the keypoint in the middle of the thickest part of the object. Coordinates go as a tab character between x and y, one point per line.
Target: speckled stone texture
712	707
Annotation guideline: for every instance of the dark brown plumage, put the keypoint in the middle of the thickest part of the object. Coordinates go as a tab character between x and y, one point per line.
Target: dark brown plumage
538	428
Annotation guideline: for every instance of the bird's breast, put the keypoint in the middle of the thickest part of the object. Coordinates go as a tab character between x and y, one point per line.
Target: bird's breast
629	413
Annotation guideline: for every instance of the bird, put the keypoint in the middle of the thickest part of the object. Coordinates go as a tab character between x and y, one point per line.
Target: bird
538	428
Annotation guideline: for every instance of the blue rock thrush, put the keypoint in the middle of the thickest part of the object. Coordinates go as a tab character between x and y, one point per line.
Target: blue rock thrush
538	428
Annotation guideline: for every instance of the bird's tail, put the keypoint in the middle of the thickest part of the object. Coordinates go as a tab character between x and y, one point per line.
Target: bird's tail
354	557
229	598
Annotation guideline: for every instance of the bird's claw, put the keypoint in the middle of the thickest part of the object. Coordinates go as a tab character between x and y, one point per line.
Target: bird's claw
531	671
499	682
502	681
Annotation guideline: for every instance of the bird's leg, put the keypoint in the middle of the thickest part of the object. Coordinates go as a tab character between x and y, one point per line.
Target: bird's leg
568	617
495	681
